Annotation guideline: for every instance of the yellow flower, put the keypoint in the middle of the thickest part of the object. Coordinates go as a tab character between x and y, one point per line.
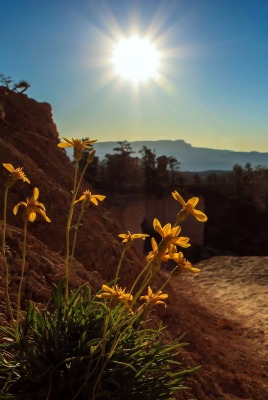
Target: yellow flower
170	234
155	298
154	253
15	174
182	262
189	207
88	198
116	293
32	206
78	145
170	254
128	237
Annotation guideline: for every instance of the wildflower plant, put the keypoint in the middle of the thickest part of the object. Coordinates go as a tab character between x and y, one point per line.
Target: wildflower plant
93	346
15	175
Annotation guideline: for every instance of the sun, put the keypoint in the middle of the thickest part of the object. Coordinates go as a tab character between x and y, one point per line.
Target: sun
136	59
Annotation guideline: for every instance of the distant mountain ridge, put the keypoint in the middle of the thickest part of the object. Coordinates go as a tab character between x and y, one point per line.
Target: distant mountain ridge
191	158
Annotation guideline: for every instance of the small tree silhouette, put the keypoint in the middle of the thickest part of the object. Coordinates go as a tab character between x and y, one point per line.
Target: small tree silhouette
148	160
124	148
21	87
173	164
8	82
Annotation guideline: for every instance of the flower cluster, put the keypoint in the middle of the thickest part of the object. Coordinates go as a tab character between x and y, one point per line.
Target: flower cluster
167	249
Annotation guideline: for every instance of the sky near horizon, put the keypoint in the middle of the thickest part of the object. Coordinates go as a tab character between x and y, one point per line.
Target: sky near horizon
211	88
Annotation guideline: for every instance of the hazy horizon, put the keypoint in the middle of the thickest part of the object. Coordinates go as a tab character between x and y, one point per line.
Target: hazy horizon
211	86
191	158
172	140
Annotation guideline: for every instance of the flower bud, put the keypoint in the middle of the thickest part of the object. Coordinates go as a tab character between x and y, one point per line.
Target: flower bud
91	156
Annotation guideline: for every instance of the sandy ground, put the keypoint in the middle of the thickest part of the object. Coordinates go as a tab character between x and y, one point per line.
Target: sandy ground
236	288
223	312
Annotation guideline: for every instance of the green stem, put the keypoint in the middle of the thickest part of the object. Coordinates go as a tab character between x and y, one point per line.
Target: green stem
181	216
119	330
145	283
22	275
140	275
4	255
80	179
120	261
168	279
76	232
69	222
154	265
68	227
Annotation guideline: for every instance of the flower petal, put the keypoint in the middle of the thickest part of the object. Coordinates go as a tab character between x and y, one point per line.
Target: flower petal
64	145
32	216
9	167
107	288
181	241
158	227
139	236
99	197
81	198
35	193
199	215
192	202
94	201
41	205
123	235
162	296
154	245
175	231
15	209
104	295
166	230
178	197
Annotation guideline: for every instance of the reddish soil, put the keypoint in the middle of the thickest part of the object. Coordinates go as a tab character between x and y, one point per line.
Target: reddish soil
233	357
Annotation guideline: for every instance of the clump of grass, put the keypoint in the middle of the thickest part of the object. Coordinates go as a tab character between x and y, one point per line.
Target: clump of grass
84	346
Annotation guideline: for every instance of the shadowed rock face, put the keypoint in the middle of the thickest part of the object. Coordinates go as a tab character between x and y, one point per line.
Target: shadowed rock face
234	366
138	212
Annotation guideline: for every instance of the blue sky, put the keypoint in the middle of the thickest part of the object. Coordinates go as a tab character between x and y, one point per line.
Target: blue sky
213	86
